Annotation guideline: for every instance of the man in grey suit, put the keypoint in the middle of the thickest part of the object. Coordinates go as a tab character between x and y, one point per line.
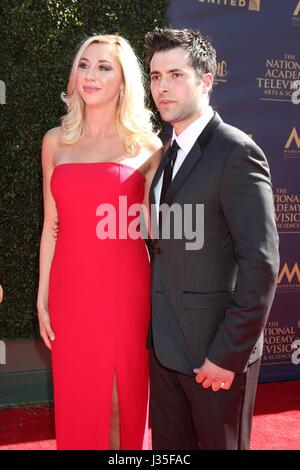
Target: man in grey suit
209	304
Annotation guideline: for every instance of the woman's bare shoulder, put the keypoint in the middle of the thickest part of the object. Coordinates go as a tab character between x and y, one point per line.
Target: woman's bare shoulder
155	151
155	144
52	137
50	145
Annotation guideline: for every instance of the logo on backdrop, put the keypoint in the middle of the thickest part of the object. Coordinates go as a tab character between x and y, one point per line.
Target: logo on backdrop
292	146
297	9
2	352
280	80
281	340
289	278
287	211
252	5
2	92
280	343
296	94
296	354
296	14
222	72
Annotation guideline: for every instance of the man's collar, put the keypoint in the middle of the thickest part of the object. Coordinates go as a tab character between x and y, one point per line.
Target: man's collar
189	135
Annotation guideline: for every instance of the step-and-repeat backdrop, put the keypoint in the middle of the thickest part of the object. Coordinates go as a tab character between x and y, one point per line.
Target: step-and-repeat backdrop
258	90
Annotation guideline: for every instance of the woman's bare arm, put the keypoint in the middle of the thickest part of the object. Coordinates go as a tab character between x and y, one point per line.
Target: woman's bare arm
47	244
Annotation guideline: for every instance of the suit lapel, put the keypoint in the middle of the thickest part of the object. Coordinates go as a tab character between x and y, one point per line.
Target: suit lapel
192	158
189	162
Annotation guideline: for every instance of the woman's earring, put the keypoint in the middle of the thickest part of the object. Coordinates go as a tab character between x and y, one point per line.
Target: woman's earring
121	94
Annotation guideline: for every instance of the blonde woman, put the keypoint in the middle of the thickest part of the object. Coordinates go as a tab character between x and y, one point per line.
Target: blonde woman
93	298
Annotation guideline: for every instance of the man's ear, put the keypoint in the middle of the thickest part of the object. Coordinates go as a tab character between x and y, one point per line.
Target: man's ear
207	80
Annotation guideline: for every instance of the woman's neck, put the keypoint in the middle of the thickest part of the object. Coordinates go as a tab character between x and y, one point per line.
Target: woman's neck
99	122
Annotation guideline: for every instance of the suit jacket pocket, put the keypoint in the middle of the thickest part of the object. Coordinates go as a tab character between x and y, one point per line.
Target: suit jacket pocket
206	300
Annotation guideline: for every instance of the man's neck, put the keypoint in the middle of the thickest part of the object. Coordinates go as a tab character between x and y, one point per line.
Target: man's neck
181	126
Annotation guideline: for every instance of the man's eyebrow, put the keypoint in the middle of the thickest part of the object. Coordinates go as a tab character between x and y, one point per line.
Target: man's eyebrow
155	72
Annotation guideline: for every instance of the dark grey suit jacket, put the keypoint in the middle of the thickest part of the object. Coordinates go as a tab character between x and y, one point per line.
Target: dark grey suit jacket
214	302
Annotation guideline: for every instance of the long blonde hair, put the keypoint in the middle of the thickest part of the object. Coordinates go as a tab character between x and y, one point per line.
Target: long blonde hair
133	117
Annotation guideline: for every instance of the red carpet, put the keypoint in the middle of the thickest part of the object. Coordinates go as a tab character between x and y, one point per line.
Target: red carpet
276	423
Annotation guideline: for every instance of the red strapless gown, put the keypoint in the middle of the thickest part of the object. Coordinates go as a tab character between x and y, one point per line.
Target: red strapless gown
99	303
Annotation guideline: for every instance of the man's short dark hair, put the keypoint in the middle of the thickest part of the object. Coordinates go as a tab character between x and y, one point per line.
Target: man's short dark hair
202	55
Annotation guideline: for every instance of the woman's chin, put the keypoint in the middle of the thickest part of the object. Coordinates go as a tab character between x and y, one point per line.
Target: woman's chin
91	101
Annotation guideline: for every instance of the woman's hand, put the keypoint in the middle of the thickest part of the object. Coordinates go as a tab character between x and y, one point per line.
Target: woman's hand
46	331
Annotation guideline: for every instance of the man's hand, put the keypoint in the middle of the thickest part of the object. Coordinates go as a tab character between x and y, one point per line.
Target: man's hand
55	228
211	375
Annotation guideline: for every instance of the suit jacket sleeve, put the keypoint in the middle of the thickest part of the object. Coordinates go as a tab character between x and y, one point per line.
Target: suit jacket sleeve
247	203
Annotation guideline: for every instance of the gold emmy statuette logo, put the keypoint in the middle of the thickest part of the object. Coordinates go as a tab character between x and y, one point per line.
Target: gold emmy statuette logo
297	9
289	274
294	136
254	5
